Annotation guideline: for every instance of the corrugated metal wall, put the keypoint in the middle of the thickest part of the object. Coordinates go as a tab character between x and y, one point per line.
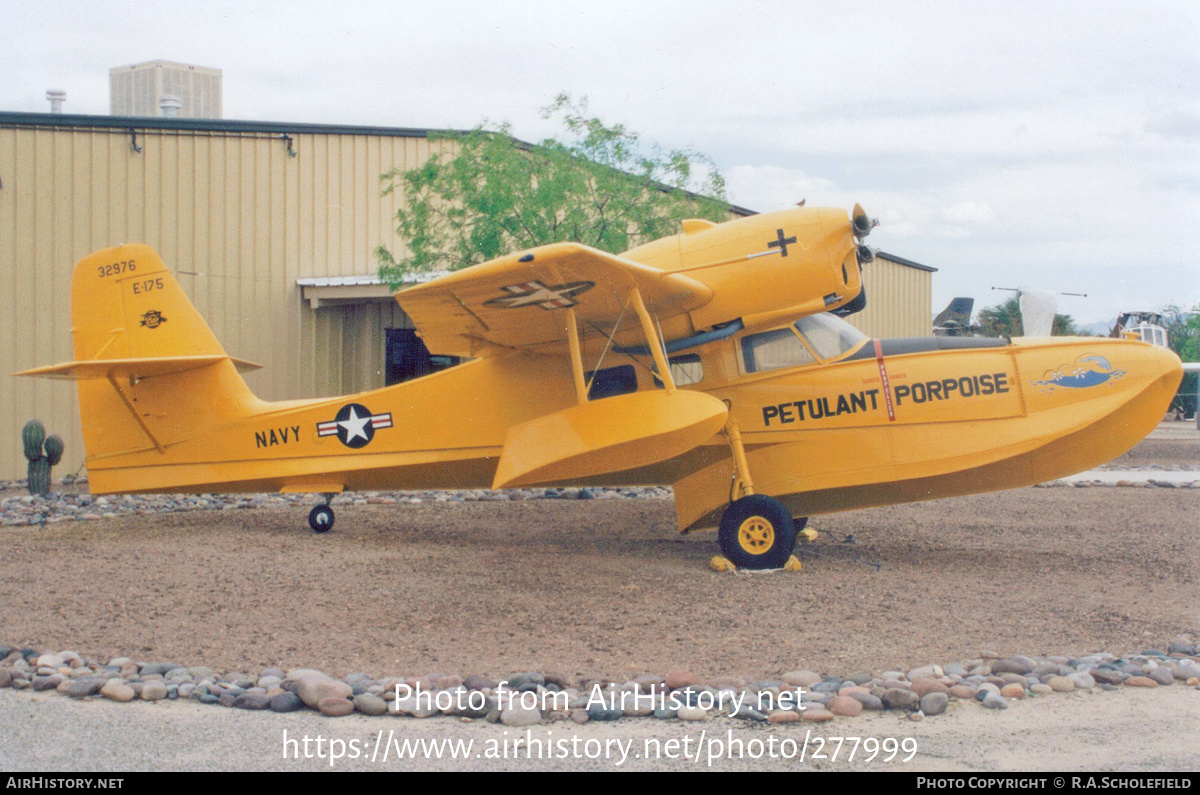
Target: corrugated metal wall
898	300
235	216
239	219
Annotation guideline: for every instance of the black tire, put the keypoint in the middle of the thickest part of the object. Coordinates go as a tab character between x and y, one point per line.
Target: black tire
757	532
320	519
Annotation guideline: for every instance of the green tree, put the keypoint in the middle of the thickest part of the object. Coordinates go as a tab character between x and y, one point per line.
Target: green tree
1001	320
491	194
1004	320
1183	331
1183	336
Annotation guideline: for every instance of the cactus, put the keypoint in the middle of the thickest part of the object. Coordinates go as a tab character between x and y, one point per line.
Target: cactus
43	453
54	449
33	434
39	477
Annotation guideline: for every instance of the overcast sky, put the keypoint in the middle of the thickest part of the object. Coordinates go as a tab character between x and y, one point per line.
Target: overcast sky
1048	145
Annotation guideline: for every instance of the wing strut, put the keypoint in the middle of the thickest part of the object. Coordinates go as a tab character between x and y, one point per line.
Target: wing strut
654	341
581	389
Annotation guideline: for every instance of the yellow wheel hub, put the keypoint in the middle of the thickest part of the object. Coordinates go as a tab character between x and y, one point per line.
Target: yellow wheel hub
756	535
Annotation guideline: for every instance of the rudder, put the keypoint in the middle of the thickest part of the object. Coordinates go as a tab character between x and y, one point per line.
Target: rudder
126	305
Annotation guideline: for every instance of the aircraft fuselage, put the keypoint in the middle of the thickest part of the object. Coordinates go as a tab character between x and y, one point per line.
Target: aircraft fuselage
870	424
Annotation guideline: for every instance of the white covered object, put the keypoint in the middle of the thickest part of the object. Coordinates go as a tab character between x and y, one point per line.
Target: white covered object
1037	312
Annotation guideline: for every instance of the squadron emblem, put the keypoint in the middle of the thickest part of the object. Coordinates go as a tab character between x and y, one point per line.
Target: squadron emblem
153	319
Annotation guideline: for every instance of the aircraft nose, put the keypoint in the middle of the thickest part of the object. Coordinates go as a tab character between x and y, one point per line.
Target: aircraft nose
1153	365
1168	361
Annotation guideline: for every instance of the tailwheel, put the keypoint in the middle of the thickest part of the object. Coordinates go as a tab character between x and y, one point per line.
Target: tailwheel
320	519
757	532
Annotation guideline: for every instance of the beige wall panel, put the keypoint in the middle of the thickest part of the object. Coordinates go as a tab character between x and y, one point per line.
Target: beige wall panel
898	301
8	276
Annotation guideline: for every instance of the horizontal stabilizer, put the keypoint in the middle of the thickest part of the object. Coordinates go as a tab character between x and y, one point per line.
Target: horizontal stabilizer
134	368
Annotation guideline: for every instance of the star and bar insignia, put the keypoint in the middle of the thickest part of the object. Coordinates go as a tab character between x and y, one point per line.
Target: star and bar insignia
537	294
354	425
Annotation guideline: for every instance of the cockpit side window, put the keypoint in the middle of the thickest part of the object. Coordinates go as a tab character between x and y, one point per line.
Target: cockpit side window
829	336
686	369
772	350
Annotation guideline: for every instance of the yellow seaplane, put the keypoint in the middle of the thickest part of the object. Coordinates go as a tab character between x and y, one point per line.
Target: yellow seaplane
713	361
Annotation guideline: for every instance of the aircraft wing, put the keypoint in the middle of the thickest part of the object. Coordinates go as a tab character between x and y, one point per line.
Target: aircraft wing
511	301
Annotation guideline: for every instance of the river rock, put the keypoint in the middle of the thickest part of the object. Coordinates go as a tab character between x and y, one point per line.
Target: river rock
369	704
335	707
476	682
898	698
286	701
868	700
313	689
252	701
962	691
1013	665
921	686
1082	679
117	690
1162	674
154	691
934	703
926	672
1060	684
846	706
1108	676
517	715
993	700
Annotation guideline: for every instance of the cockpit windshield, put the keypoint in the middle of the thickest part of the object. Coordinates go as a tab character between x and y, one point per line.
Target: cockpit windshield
829	336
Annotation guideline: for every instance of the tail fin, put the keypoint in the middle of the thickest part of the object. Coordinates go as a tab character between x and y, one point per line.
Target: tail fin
150	372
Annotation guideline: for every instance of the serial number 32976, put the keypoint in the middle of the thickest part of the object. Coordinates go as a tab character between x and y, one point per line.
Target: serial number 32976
116	268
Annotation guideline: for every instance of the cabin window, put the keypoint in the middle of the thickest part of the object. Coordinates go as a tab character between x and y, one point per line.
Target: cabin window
828	335
612	381
408	358
686	369
772	350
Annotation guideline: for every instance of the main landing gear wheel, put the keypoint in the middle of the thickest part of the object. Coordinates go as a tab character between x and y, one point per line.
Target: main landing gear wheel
757	532
320	519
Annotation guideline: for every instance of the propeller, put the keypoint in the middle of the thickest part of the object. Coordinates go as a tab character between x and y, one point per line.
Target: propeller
861	223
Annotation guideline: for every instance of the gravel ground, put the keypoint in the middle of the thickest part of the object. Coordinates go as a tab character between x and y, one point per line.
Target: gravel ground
606	588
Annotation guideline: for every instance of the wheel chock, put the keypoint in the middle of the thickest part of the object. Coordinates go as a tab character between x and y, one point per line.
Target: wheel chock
809	534
721	563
